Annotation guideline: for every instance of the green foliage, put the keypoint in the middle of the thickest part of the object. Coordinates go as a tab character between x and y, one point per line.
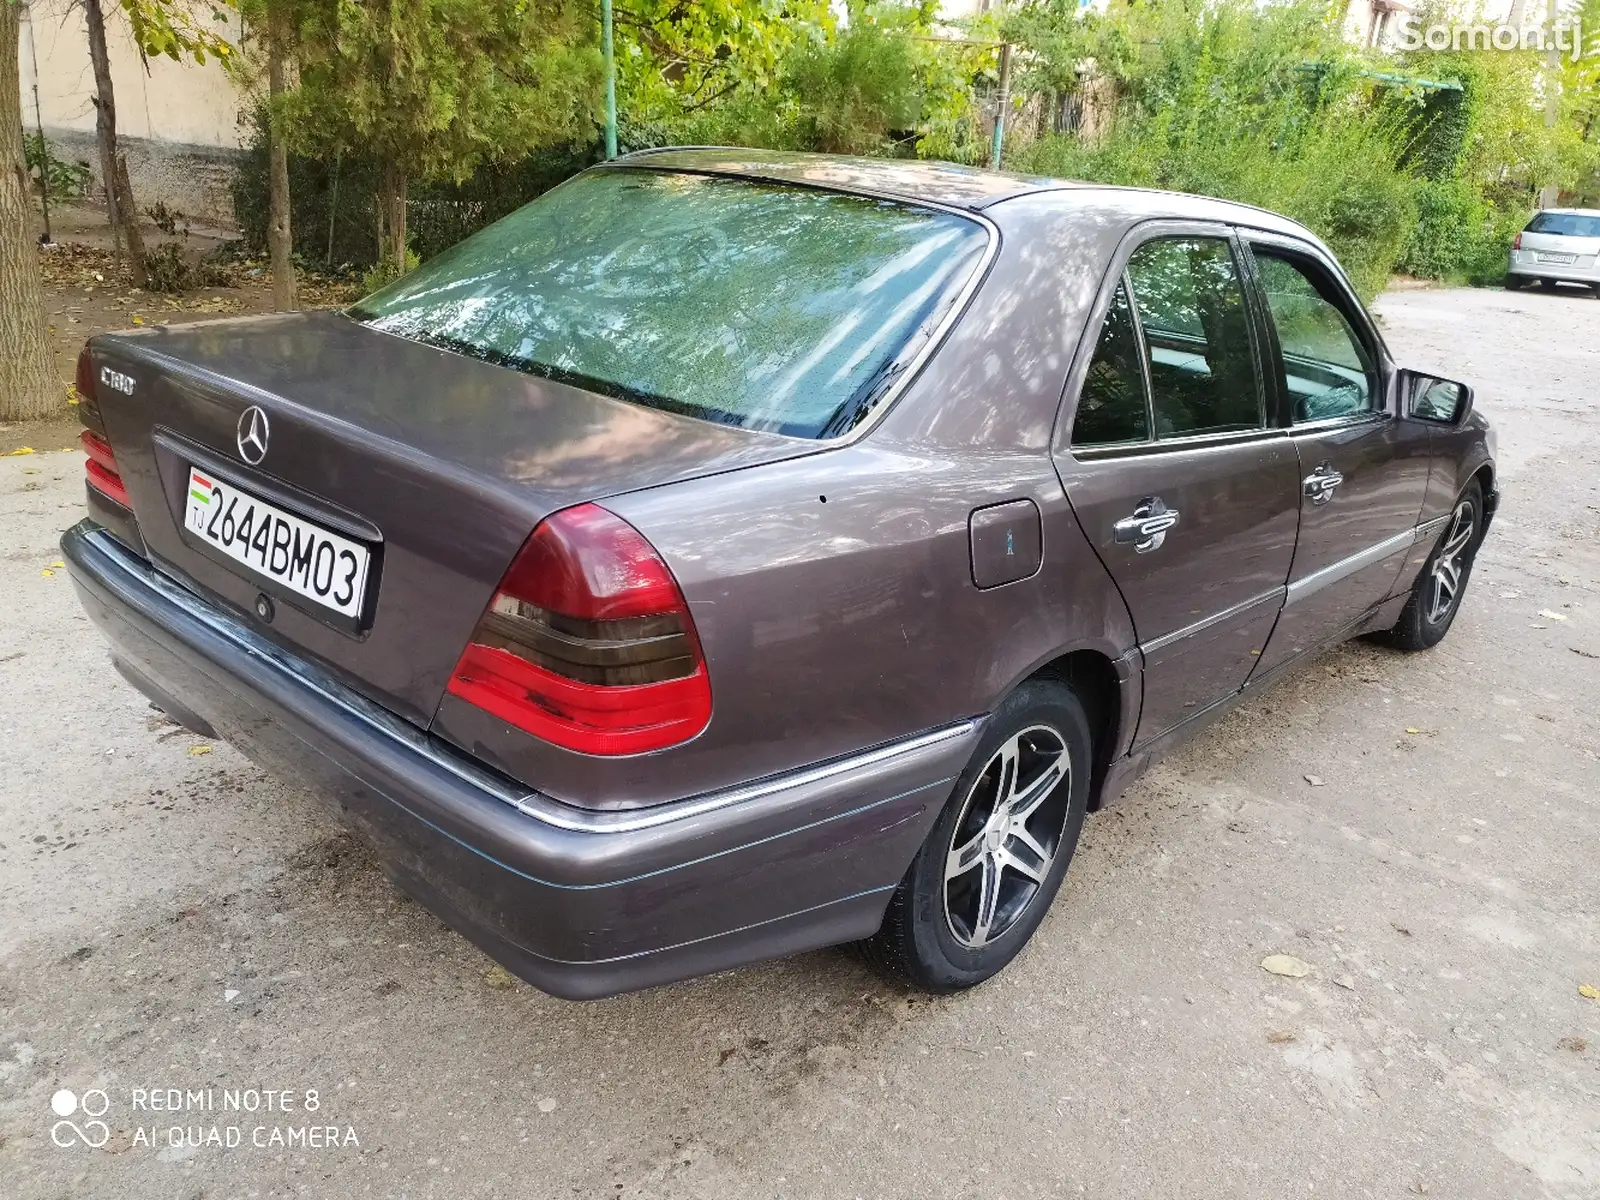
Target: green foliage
675	60
331	200
174	29
880	83
64	180
1459	236
467	108
384	273
1267	105
1225	104
439	87
1061	39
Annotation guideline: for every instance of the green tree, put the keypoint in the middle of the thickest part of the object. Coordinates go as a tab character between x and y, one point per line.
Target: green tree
275	23
675	60
795	76
434	88
160	27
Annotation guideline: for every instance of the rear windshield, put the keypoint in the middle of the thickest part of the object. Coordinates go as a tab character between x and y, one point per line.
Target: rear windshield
1566	224
765	306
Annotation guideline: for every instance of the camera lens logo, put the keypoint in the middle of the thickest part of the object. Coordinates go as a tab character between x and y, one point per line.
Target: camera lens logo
91	1133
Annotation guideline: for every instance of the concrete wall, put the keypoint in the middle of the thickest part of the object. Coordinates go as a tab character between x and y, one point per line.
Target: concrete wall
177	122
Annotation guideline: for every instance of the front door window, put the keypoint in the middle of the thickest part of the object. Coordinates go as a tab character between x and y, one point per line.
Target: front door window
1328	370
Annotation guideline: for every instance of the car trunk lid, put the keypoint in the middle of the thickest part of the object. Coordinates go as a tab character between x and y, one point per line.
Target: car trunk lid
1560	248
439	464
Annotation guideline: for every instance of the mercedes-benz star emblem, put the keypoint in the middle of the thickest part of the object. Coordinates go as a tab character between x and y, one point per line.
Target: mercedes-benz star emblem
253	434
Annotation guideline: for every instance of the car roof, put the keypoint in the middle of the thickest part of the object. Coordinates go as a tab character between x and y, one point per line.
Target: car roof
1570	212
948	184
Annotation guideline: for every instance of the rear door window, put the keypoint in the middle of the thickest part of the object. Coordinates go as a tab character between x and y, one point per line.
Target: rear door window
1112	407
1190	303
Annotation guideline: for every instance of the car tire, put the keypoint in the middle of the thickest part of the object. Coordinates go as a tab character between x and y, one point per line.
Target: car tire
1515	283
948	926
1429	612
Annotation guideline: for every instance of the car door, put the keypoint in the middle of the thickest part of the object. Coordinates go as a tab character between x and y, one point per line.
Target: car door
1363	470
1185	489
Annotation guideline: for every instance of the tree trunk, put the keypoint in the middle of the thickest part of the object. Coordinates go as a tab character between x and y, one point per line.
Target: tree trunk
392	217
280	238
119	198
29	388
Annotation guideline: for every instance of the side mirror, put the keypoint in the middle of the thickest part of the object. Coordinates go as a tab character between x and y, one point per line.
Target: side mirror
1429	398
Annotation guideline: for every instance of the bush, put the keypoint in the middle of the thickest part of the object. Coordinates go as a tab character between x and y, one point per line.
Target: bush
65	180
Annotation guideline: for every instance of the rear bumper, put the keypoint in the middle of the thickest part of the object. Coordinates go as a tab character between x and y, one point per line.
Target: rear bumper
579	903
1584	269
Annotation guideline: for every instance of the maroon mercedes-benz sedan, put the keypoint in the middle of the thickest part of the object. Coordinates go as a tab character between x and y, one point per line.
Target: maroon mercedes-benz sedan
733	553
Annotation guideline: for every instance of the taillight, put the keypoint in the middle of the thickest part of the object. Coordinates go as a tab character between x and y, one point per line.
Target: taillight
588	642
101	467
1516	242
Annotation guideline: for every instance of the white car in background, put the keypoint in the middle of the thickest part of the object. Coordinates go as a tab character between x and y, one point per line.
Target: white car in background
1560	245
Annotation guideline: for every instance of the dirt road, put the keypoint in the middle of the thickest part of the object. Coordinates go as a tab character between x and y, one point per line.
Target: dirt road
174	920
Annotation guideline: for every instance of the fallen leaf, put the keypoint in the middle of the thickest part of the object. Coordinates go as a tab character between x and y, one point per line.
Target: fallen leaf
498	978
19	450
1286	964
1588	991
1314	780
196	750
1554	616
1413	731
47	573
1279	1036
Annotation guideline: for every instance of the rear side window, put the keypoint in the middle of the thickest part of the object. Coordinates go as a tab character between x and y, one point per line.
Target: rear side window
1190	303
1565	224
770	307
1112	407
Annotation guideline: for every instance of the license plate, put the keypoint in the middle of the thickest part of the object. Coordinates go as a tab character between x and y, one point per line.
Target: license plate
307	559
1564	259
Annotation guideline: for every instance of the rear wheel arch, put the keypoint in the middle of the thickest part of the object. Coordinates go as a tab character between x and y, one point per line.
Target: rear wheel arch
1093	678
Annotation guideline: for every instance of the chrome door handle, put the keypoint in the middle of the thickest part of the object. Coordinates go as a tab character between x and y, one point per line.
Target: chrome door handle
1148	526
1322	483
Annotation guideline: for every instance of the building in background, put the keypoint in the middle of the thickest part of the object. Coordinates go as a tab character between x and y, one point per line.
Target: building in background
177	123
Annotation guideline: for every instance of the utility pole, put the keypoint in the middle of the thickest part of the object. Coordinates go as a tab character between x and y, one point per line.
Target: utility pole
1550	194
1005	103
611	77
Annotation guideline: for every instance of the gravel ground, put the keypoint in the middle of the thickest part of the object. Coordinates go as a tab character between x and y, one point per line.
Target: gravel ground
174	919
